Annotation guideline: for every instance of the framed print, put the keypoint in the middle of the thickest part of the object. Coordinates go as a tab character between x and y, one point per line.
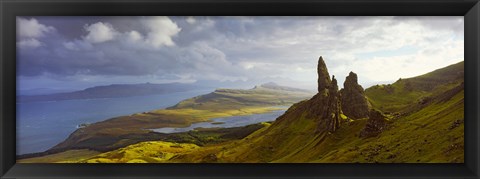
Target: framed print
166	89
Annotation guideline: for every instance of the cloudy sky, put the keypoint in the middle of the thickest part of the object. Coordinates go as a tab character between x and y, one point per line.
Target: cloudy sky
80	52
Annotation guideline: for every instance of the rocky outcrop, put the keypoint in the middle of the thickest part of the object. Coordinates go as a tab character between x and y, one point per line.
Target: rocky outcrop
375	125
353	100
334	119
323	76
325	105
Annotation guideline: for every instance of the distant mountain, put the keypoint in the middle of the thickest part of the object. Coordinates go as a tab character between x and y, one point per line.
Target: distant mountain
114	91
261	95
42	91
275	86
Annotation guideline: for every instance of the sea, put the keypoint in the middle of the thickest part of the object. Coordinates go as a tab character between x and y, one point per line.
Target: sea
42	125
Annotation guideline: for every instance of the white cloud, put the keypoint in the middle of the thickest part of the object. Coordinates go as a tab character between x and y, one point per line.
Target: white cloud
100	32
379	49
29	31
29	43
77	45
191	20
160	31
389	69
385	41
135	36
31	28
70	46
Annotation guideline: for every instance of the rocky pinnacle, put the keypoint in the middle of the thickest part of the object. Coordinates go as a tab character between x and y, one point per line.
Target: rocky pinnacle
354	102
323	76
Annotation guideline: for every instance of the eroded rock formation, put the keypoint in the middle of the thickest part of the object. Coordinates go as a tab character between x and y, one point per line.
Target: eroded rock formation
323	76
325	105
353	100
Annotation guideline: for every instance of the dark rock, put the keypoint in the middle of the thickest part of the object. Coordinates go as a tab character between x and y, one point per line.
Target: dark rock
325	105
375	125
334	108
353	100
323	76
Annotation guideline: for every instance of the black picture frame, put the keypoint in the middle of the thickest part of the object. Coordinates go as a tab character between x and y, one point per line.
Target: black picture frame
9	9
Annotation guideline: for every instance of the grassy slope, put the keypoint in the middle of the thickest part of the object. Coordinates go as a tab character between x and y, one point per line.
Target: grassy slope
404	92
430	128
428	135
70	156
149	151
144	152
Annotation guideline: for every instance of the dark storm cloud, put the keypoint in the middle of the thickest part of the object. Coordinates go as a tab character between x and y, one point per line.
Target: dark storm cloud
63	55
221	48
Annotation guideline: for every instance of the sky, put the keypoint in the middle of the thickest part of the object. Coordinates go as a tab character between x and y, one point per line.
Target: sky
79	52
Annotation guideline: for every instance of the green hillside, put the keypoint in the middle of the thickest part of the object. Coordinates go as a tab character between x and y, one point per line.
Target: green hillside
404	92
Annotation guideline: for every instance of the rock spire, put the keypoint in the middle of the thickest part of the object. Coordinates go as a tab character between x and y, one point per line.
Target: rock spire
325	105
323	76
352	97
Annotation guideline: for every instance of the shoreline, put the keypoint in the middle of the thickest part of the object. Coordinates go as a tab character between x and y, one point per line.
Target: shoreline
219	114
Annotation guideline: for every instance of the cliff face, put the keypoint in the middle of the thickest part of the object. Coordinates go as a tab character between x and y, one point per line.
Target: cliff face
353	100
324	107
